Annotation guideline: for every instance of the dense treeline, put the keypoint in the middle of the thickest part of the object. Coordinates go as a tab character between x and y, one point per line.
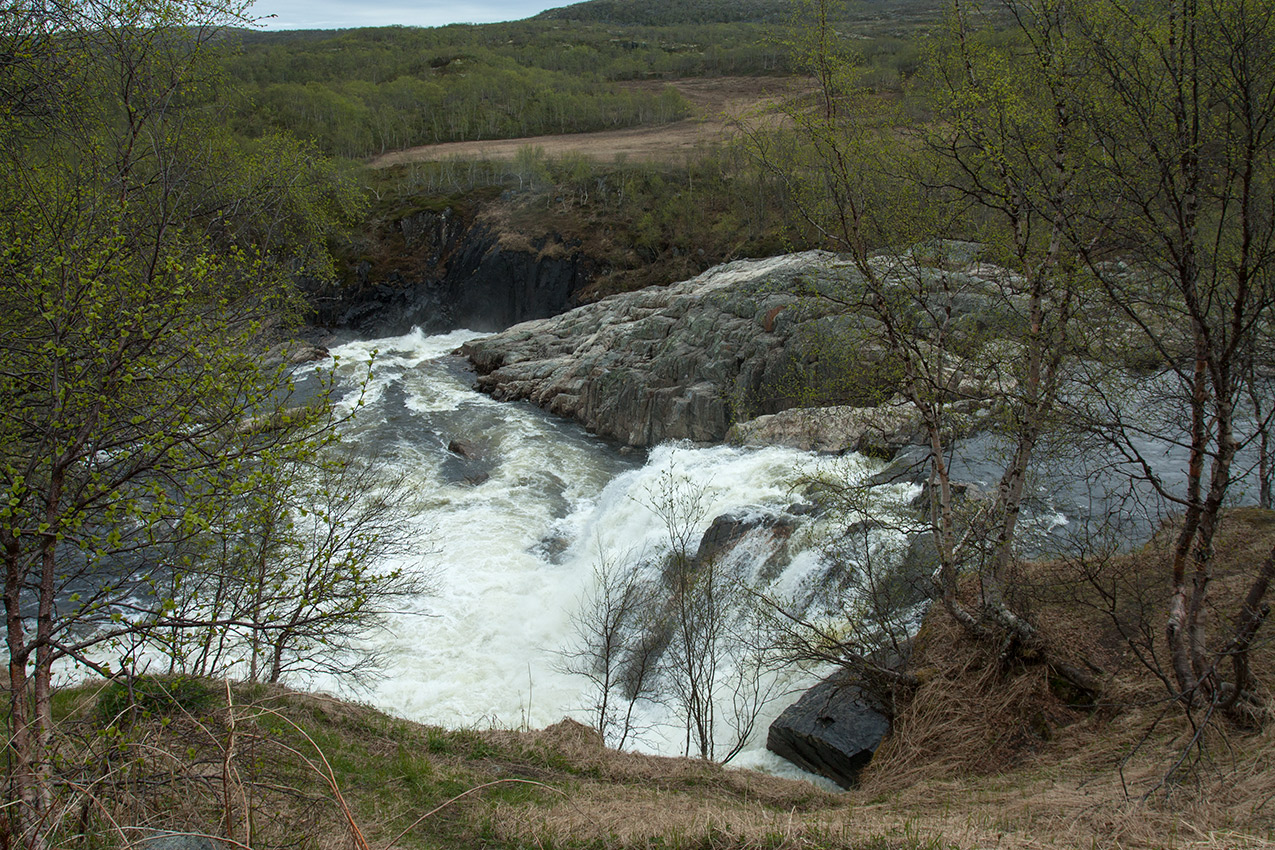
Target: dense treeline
163	491
363	92
381	54
499	100
665	12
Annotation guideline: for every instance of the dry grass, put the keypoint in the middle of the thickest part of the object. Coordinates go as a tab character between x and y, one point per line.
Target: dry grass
719	103
1001	745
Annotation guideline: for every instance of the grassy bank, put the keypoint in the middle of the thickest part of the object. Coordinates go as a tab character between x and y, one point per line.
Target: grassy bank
983	755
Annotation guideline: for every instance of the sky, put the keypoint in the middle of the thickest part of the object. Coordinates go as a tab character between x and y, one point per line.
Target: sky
341	14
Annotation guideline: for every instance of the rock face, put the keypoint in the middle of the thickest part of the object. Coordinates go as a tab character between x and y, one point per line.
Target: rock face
726	531
684	361
439	271
294	352
752	534
468	462
833	730
755	338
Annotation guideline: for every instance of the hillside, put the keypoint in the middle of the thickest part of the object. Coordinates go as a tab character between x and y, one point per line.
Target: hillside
673	12
668	12
177	497
983	755
589	68
718	105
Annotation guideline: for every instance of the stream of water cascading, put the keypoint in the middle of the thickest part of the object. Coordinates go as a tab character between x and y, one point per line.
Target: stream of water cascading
512	533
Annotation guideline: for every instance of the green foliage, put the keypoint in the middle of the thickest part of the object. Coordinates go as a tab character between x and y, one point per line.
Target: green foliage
413	770
457	742
358	93
438	741
597	52
286	575
155	696
363	92
667	12
147	266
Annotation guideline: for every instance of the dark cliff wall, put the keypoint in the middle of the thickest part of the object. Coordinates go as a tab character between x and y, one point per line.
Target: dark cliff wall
445	270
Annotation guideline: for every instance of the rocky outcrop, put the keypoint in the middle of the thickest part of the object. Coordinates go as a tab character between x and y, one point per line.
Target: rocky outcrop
467	462
685	361
757	337
833	731
293	352
726	531
439	270
879	431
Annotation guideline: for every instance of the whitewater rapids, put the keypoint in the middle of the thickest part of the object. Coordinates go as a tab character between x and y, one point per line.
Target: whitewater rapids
511	539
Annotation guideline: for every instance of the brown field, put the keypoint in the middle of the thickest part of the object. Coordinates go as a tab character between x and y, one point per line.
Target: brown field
721	104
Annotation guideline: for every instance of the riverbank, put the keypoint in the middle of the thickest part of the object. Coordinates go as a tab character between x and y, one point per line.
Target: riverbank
982	757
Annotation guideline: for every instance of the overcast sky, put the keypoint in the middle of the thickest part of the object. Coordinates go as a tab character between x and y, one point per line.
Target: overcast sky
340	14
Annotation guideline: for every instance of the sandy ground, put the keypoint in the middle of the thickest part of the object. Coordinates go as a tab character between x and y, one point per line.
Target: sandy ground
721	103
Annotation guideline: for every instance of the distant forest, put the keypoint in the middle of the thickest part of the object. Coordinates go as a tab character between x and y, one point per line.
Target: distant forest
891	13
358	93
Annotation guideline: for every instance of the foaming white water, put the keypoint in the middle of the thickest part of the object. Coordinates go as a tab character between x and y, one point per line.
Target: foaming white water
512	534
480	649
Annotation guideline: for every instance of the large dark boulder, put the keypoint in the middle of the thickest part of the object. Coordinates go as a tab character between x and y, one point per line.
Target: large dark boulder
768	530
833	730
726	531
468	461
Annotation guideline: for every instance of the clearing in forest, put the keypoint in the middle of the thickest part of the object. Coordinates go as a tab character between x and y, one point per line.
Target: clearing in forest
720	104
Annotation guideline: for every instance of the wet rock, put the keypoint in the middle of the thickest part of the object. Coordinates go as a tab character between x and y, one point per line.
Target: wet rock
962	491
728	530
465	449
468	462
552	547
879	431
832	731
910	465
437	270
294	352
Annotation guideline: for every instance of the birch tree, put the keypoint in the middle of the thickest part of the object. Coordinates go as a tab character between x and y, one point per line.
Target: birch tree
1180	105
